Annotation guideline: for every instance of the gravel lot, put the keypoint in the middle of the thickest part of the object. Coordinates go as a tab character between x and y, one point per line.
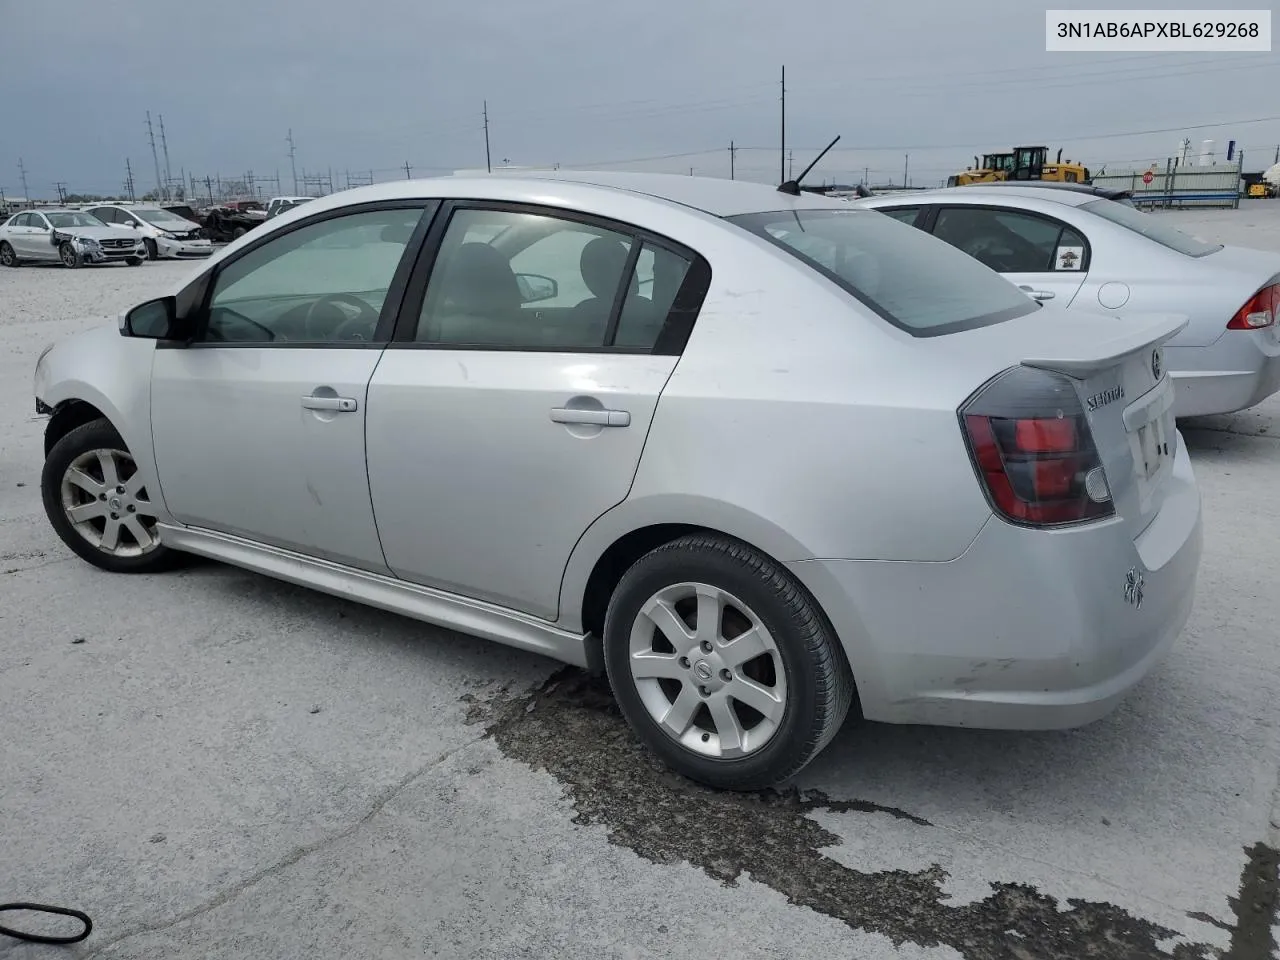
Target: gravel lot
216	765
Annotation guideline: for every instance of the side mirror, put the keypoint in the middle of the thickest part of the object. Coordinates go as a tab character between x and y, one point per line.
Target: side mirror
130	223
153	320
535	288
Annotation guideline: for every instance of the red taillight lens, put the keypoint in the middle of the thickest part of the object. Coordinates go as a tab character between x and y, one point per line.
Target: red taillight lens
1259	311
1034	451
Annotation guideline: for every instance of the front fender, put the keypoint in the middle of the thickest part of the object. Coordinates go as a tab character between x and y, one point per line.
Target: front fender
113	374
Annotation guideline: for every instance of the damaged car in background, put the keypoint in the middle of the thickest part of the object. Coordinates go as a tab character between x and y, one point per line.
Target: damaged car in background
231	221
70	236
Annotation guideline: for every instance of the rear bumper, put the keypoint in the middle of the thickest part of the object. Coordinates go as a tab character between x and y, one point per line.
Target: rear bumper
1236	371
1027	629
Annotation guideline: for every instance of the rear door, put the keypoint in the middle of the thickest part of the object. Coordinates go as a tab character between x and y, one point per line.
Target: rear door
512	406
1046	258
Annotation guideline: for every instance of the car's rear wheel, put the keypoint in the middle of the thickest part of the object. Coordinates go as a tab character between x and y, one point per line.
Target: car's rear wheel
238	232
723	664
68	255
153	252
96	501
8	257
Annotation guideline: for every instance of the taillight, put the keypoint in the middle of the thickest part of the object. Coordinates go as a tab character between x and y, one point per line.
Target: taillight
1260	311
1033	450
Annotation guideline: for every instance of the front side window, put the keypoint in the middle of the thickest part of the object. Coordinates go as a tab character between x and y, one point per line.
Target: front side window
531	281
901	214
322	282
908	277
38	221
1150	226
105	214
1010	241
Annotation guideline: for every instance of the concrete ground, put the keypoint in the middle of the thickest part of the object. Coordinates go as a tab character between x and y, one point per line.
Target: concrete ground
216	765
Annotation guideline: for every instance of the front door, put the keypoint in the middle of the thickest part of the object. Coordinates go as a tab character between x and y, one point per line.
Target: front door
259	426
513	411
1045	257
35	238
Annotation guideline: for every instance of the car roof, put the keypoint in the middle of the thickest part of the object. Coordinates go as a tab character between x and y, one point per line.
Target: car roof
1070	198
718	197
1089	188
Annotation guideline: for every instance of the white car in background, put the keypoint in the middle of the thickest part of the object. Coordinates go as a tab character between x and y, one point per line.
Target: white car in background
279	205
165	234
71	237
762	457
1087	252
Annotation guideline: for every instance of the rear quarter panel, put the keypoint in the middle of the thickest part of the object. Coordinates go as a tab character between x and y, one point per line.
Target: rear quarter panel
803	424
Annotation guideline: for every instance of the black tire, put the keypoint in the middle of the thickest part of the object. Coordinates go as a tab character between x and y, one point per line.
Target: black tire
819	684
8	256
85	440
69	257
134	261
153	252
238	232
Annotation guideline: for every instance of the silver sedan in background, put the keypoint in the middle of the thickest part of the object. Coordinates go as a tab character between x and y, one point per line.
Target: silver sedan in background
1090	253
69	236
761	457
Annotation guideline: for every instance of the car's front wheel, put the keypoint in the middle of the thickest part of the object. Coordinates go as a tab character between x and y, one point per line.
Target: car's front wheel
153	251
134	261
7	255
723	664
96	501
69	256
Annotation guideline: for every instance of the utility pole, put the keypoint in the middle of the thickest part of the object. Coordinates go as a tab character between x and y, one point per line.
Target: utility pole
168	173
1277	154
407	168
732	154
26	193
906	159
208	185
293	166
487	164
782	152
128	182
155	158
866	176
62	193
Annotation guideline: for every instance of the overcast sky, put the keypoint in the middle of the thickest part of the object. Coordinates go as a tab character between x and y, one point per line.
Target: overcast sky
368	85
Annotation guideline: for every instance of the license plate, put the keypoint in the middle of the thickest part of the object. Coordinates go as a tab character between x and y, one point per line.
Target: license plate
1153	441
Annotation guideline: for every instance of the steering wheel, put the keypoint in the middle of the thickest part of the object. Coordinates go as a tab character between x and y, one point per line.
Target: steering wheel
366	318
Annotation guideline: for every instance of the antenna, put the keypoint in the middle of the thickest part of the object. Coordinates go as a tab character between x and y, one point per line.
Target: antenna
793	186
782	148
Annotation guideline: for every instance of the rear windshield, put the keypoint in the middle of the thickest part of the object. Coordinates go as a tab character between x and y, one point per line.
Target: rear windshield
1150	226
915	281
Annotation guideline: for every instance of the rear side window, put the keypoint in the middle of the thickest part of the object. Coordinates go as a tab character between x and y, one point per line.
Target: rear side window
911	279
901	214
1150	226
1010	241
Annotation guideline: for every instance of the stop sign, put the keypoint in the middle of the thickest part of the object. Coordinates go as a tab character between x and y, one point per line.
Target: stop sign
1148	177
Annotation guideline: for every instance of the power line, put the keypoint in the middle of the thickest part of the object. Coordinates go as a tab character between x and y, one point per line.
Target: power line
293	166
154	156
487	164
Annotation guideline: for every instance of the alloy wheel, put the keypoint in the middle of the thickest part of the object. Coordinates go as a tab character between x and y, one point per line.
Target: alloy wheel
104	499
707	670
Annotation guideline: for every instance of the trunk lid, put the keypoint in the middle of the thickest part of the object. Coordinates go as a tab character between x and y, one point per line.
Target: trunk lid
1117	370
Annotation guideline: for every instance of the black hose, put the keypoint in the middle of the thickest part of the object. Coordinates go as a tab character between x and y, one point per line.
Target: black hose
43	908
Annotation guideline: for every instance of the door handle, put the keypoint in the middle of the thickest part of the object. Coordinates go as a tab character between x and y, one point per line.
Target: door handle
603	418
1040	295
340	404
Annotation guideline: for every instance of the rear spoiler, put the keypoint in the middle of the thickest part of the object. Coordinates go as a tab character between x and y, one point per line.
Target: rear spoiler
1134	333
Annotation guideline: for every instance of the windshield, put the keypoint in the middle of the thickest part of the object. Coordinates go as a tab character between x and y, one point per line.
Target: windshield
158	216
73	220
915	281
1151	227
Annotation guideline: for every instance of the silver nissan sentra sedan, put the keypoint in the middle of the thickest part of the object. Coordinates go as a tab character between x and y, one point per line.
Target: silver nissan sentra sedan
1090	253
763	458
